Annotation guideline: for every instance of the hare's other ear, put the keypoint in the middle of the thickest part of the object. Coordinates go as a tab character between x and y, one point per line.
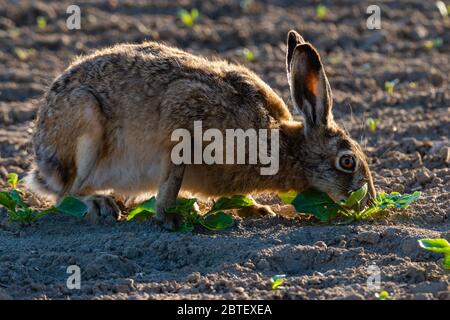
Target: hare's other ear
293	40
310	89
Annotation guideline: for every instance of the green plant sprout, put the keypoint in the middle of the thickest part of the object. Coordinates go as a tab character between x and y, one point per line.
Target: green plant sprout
24	54
321	11
383	295
389	85
434	43
19	211
13	180
372	124
277	280
41	22
214	219
440	246
248	54
320	205
188	17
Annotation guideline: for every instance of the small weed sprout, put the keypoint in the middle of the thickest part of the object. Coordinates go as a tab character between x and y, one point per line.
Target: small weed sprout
433	43
320	205
13	180
214	219
277	280
188	17
321	11
248	54
372	124
19	211
24	54
41	22
384	295
389	85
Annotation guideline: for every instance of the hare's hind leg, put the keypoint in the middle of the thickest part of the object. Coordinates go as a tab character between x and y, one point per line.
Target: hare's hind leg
68	143
89	147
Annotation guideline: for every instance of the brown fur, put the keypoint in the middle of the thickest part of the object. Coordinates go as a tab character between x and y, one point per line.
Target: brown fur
106	124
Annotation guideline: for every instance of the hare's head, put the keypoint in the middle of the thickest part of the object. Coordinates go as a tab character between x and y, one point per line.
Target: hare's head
333	162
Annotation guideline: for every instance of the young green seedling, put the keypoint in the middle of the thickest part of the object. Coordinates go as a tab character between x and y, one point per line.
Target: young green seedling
214	219
13	180
434	43
248	54
277	280
19	211
389	85
321	11
320	205
41	22
24	54
383	295
372	124
188	17
440	246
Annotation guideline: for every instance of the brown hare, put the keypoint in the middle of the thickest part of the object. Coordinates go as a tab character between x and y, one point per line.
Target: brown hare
106	124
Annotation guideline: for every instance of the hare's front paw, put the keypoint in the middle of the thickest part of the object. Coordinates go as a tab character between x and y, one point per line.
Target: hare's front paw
255	211
170	221
102	209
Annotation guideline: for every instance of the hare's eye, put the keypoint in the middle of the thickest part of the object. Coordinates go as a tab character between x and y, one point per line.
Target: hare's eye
347	162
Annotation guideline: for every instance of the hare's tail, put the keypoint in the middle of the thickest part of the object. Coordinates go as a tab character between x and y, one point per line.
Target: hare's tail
38	184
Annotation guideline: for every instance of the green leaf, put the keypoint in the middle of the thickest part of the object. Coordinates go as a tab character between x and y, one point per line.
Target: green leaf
7	201
188	18
370	212
24	215
317	203
356	196
287	197
144	210
15	195
435	245
183	205
194	14
186	227
234	202
41	22
383	295
13	180
372	124
248	54
218	221
447	261
321	11
395	199
277	280
72	206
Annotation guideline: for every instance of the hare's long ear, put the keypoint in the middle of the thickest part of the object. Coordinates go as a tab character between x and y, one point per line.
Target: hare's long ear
310	89
293	40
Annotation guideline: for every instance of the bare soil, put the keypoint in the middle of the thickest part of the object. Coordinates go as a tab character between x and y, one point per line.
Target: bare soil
138	260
